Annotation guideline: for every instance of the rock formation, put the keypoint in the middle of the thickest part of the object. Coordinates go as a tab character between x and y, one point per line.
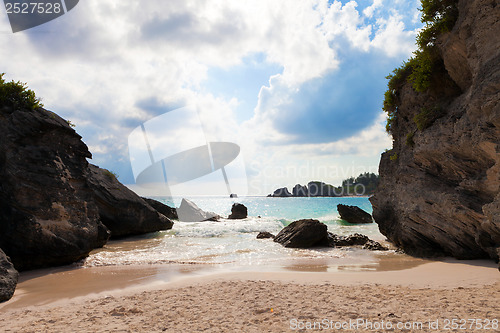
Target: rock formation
439	187
312	233
190	212
122	211
303	234
353	214
8	278
300	191
238	211
265	235
168	211
281	192
52	201
48	215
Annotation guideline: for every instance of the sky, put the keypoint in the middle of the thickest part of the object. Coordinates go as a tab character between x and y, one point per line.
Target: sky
297	85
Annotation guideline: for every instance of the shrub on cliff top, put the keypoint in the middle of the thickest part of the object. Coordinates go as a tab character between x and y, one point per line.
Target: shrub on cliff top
439	16
17	95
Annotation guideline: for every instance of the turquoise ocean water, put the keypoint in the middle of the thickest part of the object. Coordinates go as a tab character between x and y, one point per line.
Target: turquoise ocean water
233	243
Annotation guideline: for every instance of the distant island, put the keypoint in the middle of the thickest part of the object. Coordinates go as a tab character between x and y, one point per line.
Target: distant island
364	184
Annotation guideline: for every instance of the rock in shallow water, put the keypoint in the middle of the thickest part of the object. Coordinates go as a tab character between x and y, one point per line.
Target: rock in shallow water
8	278
303	234
265	235
238	211
190	212
353	214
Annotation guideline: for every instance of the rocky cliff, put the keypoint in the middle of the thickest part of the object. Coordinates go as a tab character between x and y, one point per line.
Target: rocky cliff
439	186
47	212
54	207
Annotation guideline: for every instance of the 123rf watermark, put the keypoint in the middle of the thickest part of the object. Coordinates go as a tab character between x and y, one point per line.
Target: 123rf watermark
368	325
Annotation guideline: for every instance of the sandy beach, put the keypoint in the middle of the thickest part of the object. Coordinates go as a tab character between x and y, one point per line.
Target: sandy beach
435	296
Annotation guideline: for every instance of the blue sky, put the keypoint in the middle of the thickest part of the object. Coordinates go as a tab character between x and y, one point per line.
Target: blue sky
297	84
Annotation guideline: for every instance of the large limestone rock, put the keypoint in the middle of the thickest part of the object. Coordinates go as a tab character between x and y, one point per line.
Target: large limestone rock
47	213
439	192
122	211
8	278
353	214
303	234
190	212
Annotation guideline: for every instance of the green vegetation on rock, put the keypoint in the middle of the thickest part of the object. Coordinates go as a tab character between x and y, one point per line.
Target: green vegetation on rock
439	17
17	95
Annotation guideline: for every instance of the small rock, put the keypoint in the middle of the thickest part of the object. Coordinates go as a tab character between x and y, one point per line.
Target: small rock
264	235
374	246
238	211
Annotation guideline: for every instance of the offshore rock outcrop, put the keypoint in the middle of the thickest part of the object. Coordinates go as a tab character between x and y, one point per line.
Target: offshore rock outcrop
48	216
439	187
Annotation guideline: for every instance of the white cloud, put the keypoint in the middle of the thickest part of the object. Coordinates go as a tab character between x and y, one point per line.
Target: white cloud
96	64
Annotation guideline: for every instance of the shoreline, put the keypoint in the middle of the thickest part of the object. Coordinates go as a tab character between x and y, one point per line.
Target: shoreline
47	287
269	301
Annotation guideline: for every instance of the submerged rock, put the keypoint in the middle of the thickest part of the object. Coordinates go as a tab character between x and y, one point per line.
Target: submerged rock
238	211
265	235
168	211
190	212
303	234
122	211
48	216
353	214
8	278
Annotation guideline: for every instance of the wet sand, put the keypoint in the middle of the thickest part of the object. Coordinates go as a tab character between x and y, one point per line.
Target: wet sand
193	298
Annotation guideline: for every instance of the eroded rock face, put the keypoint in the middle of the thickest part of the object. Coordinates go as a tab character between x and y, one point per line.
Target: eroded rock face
47	213
8	278
122	211
440	195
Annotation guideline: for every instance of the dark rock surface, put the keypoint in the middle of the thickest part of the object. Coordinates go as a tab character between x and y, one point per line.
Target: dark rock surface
440	195
8	278
168	211
282	192
238	211
47	213
351	240
374	246
190	212
265	235
303	234
300	191
122	211
353	214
